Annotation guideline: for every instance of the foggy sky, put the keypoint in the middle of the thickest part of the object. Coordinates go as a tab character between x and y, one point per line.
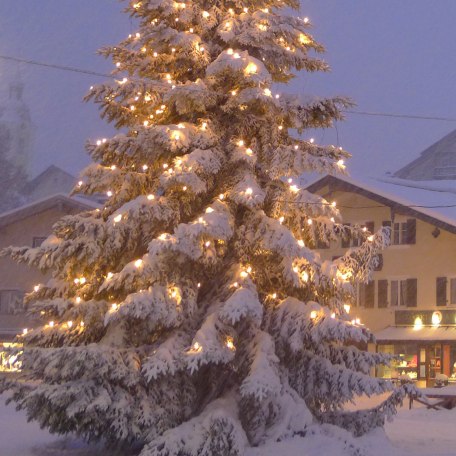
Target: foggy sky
388	56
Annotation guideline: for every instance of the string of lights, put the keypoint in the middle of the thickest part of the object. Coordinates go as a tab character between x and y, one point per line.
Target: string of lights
110	76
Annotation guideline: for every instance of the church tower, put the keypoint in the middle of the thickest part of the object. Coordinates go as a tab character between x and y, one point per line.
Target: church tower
15	127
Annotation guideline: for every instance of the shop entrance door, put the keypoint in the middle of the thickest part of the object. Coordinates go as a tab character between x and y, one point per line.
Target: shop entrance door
434	363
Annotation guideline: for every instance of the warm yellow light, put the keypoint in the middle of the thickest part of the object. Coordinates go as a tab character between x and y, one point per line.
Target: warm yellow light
294	188
36	288
244	274
24	331
51	324
301	243
70	324
78	300
150	197
197	347
251	68
436	318
313	314
118	218
109	275
138	263
333	204
205	14
305	276
248	191
304	39
418	324
230	344
347	308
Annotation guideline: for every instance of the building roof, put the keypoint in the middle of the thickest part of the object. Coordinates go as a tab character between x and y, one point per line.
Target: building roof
410	333
48	174
49	202
444	146
431	201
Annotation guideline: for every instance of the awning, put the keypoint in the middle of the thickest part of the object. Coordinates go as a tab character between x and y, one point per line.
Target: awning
424	333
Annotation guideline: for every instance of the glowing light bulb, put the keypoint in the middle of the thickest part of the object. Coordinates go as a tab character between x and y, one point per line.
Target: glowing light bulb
251	68
51	324
150	197
274	295
305	276
313	314
248	191
138	263
230	344
347	308
36	288
205	14
118	218
309	221
221	196
78	300
109	193
69	324
333	204
207	243
24	331
301	243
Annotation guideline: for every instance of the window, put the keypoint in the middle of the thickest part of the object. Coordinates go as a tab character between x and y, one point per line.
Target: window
402	232
11	301
356	241
38	240
441	291
403	293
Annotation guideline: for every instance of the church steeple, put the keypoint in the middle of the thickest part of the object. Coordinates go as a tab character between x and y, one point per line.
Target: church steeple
15	126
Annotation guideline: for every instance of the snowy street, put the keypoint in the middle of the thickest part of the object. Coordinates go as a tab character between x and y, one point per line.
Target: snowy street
419	431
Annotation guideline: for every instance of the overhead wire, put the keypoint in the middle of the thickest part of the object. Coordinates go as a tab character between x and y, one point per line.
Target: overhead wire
110	76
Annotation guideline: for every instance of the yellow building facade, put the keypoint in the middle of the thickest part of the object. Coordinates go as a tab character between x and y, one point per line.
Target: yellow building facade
410	304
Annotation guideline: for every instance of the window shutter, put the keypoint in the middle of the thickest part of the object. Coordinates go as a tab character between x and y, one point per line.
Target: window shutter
370	295
441	291
411	297
382	294
411	231
345	238
370	226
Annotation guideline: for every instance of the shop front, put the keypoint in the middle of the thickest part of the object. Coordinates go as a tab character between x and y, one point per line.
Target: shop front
423	349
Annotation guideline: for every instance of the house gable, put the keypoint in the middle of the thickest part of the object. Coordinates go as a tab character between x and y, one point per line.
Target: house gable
436	162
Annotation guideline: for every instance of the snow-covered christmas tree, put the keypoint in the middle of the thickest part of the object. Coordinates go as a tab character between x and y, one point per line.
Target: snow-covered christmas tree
190	315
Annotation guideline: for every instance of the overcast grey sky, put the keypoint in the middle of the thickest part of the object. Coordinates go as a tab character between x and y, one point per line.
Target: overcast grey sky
388	56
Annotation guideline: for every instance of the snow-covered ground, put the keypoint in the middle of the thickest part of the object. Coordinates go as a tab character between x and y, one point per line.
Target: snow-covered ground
419	431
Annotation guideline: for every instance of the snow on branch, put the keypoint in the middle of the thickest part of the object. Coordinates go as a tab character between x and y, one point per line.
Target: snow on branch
263	379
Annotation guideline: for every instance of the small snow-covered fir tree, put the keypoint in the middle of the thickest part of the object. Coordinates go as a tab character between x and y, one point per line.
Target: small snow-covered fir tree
190	315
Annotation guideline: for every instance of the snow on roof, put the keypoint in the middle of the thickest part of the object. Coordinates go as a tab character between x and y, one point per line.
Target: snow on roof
436	199
402	333
43	204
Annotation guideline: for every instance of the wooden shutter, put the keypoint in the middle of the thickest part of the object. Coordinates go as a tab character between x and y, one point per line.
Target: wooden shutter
441	291
345	238
382	294
370	226
411	231
411	296
369	295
